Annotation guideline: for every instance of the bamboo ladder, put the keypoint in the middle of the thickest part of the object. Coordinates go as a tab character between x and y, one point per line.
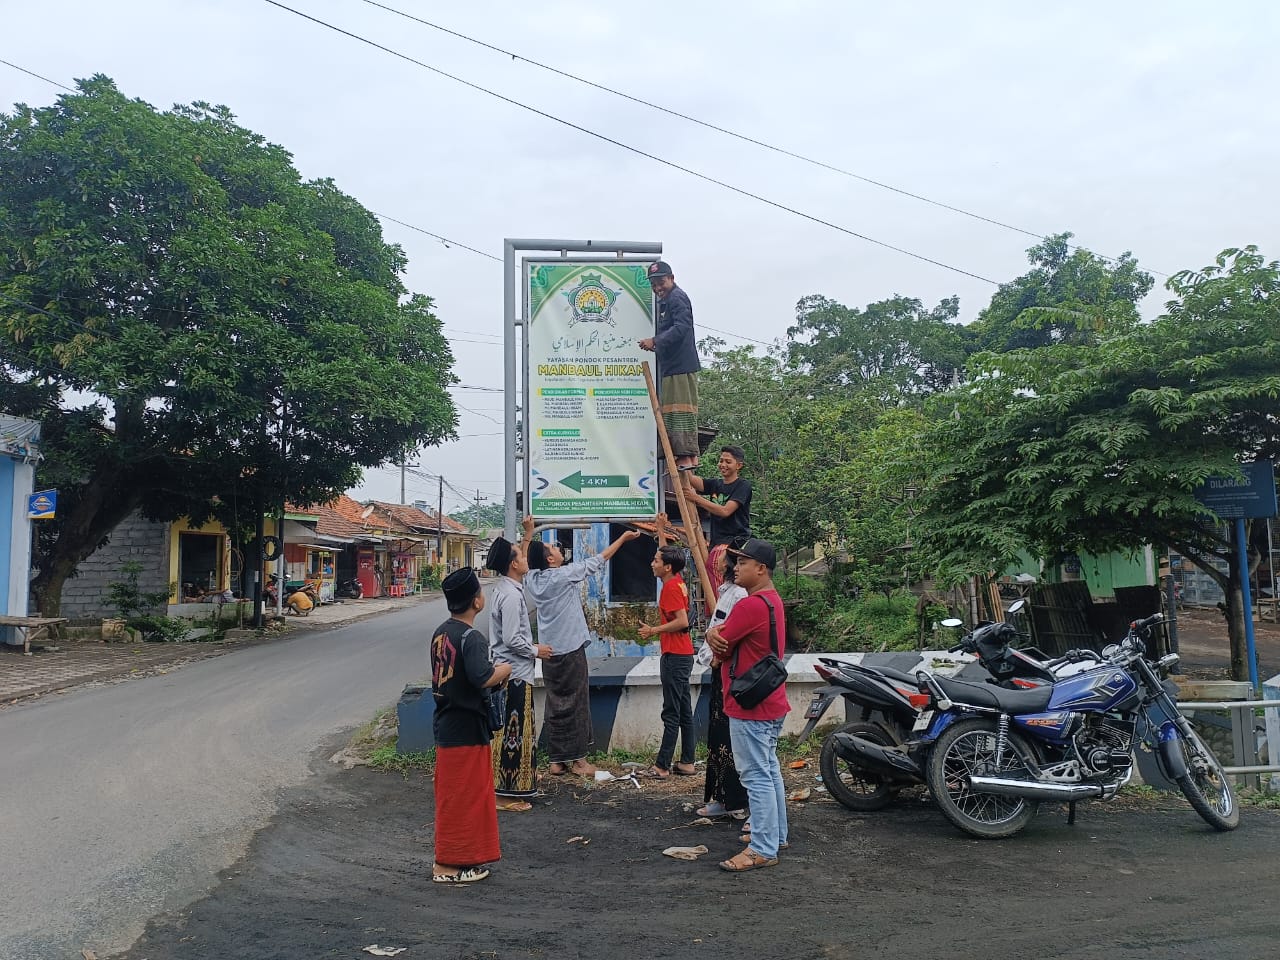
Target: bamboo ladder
688	515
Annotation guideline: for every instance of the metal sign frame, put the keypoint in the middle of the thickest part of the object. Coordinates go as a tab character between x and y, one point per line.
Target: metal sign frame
514	317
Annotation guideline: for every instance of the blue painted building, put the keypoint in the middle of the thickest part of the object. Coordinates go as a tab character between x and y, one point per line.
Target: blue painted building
19	451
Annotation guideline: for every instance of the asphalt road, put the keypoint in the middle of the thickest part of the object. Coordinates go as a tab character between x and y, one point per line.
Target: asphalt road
124	801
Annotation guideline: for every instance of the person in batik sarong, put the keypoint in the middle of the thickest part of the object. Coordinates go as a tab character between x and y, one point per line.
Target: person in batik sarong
511	642
466	823
555	589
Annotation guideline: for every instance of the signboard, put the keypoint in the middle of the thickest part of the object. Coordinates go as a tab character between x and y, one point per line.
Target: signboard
592	439
1253	496
42	505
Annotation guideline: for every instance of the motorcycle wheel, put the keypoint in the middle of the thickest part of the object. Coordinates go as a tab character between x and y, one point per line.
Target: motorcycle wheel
850	784
1206	787
968	748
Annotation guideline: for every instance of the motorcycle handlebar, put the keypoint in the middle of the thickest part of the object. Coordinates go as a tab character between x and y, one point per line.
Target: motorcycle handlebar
1148	622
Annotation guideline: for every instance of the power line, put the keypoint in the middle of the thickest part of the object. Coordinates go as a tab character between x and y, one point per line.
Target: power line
703	123
448	243
741	191
32	73
725	130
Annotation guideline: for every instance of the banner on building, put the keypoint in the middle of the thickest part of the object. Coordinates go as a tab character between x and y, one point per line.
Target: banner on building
42	505
592	442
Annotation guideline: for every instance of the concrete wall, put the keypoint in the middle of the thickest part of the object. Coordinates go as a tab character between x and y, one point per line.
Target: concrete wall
142	541
626	698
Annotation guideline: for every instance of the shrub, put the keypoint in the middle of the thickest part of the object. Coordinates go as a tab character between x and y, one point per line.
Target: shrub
159	629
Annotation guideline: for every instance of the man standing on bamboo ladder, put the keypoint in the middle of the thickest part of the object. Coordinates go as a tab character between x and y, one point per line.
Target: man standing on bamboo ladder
676	347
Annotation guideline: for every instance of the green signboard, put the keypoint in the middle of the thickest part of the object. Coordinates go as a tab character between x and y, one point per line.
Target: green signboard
592	448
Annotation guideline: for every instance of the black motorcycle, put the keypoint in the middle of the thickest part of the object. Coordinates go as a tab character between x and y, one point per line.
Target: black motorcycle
888	703
350	590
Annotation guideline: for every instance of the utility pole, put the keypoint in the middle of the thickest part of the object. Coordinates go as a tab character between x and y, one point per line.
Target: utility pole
404	466
440	521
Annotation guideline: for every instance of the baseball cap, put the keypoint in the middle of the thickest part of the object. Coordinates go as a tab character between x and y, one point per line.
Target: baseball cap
759	550
660	268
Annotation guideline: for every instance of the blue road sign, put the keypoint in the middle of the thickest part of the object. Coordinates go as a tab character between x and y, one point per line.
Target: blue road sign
1252	496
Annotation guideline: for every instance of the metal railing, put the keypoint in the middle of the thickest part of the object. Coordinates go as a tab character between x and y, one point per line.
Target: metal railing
1244	735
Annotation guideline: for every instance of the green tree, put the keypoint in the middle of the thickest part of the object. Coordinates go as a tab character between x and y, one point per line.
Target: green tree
896	349
1071	296
195	325
1102	446
480	516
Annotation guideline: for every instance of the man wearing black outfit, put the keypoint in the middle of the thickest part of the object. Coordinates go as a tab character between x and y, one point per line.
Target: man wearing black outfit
727	498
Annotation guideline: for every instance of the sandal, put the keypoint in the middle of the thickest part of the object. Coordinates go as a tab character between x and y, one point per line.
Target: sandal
515	806
748	859
557	773
466	875
714	809
685	773
655	772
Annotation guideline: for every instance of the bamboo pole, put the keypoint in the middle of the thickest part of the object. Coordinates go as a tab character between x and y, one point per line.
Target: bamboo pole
688	515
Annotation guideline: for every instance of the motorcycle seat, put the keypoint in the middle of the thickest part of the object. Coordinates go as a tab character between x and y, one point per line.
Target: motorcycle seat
900	676
1034	700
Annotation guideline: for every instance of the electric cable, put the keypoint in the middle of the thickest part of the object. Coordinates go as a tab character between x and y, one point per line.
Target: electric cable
741	191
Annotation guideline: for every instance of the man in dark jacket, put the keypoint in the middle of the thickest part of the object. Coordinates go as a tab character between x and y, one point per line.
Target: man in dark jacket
676	346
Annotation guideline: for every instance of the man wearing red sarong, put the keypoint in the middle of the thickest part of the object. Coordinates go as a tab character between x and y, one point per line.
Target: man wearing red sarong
466	824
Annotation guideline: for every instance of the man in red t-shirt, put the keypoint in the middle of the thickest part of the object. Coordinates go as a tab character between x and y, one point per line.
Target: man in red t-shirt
745	638
675	665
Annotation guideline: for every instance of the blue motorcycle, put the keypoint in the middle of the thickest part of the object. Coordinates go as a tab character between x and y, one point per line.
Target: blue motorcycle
991	755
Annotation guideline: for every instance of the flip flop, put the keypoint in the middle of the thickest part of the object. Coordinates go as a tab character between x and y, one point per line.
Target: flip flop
515	806
558	773
684	773
469	875
747	860
655	773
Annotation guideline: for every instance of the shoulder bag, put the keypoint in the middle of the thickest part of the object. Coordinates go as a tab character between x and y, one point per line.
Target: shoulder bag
764	676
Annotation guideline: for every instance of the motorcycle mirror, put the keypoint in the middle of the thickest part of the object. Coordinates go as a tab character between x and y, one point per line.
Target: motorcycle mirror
1018	605
1110	650
951	623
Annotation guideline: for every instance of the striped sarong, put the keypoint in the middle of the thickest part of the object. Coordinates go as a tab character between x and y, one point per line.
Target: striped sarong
678	400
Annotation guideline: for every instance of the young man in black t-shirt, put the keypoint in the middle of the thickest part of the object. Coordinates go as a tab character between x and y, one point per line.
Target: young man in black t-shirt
727	498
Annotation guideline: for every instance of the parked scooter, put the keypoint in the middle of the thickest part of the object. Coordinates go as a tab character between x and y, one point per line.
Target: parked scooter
992	755
350	589
302	600
890	702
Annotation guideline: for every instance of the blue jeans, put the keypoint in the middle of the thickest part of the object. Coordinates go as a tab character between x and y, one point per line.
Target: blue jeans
755	754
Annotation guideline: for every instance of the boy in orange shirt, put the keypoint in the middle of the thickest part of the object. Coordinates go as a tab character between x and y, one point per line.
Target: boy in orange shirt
675	666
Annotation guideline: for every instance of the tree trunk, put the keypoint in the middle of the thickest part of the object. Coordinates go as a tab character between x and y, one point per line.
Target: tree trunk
103	503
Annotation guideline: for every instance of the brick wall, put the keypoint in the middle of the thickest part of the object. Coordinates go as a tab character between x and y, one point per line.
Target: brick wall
142	541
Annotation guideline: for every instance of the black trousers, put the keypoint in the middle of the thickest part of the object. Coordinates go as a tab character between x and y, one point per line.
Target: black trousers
677	709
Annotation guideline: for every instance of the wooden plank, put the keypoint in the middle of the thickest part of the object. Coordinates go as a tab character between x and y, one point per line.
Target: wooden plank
1212	691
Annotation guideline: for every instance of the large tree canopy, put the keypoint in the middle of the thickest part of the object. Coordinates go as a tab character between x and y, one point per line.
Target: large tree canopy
896	349
1098	447
1070	296
193	322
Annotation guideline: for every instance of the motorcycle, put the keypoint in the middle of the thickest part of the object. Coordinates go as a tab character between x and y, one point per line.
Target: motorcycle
350	589
991	755
890	703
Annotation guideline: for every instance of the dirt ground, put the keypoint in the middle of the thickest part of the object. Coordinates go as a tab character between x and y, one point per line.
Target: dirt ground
346	865
1205	650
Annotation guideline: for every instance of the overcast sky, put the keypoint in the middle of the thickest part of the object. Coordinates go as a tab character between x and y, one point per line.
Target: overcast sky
1139	126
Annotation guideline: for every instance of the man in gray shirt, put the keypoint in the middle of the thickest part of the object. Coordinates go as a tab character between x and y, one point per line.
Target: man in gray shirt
511	641
554	588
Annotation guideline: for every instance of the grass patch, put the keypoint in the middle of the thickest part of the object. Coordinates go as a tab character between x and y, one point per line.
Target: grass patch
1259	800
386	758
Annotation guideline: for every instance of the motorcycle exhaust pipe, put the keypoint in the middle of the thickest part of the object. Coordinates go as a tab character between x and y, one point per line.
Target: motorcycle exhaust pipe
1030	790
874	757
